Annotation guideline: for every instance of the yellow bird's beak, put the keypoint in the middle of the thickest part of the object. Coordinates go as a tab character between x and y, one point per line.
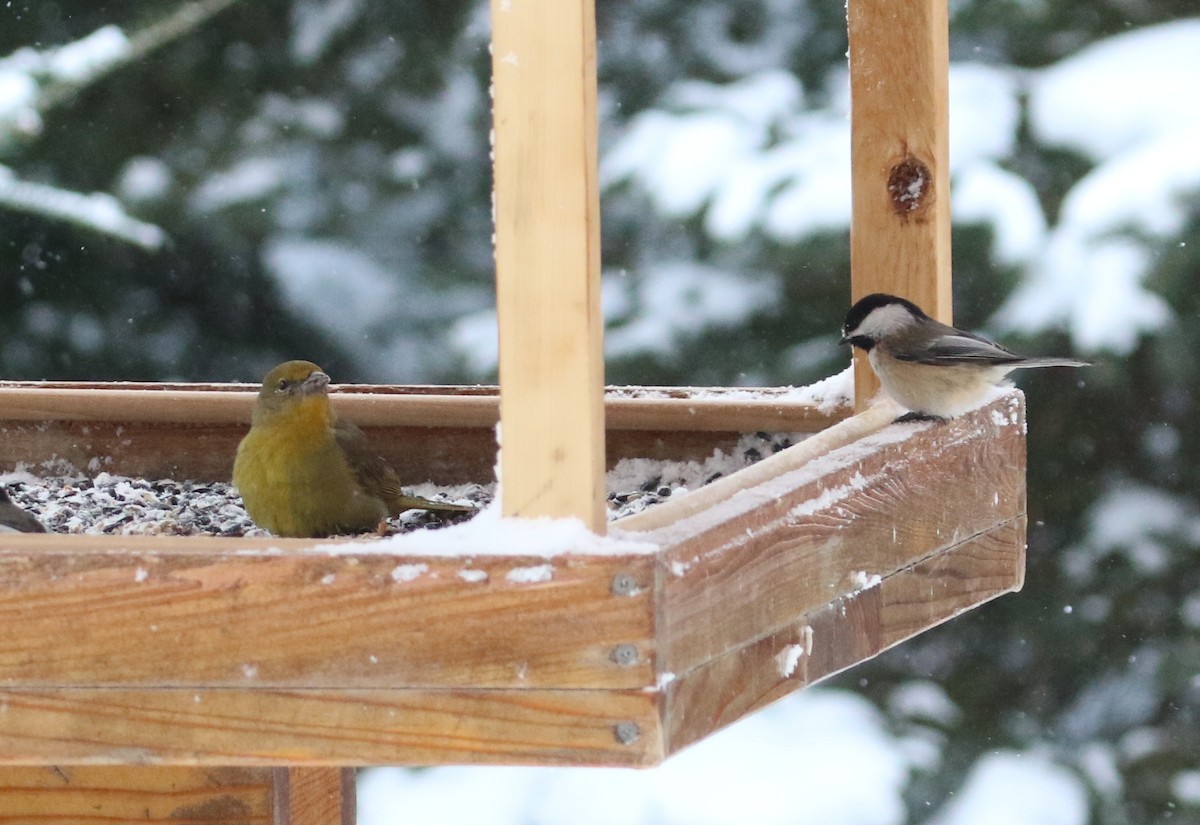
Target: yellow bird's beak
315	383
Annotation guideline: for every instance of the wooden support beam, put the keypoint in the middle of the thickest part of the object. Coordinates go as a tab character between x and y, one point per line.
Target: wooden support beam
900	232
548	259
314	796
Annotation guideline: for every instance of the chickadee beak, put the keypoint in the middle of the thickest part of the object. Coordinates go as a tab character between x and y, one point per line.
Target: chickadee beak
843	340
315	383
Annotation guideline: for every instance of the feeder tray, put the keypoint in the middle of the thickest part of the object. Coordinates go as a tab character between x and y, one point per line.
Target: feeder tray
472	648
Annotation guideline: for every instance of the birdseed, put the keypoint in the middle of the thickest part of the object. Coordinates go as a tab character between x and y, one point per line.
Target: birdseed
117	505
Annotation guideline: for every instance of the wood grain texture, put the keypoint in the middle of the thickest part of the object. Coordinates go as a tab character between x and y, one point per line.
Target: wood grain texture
900	225
547	208
854	627
101	795
192	431
717	409
326	727
792	545
155	617
314	796
703	500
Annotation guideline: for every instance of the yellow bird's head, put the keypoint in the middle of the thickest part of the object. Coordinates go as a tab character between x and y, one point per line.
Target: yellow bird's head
289	384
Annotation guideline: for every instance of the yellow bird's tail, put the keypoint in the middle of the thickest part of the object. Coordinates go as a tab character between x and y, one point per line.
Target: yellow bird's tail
407	502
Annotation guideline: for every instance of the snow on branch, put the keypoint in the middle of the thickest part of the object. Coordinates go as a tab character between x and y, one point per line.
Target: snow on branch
97	211
34	81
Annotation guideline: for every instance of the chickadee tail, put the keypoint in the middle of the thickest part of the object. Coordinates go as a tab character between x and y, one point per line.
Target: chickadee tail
1029	363
407	502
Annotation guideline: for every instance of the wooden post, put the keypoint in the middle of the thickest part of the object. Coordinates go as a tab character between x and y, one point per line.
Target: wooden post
548	259
315	796
900	233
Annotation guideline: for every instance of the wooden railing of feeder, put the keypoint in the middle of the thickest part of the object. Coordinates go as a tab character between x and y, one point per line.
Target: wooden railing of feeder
158	677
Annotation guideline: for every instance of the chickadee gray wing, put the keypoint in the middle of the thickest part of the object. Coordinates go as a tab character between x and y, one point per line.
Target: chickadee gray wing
956	347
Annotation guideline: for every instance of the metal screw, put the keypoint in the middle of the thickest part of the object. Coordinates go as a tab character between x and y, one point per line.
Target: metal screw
626	732
624	584
625	655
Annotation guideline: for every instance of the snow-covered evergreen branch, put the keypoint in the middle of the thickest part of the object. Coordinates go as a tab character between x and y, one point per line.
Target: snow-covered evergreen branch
96	211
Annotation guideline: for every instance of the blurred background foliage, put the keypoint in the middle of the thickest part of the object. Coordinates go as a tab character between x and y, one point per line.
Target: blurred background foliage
320	171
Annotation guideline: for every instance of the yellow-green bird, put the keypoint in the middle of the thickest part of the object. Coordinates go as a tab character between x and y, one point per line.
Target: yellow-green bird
304	472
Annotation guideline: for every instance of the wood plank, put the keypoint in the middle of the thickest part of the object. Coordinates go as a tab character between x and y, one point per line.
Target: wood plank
121	612
95	794
331	727
792	544
705	409
315	796
899	92
697	502
547	208
193	432
852	629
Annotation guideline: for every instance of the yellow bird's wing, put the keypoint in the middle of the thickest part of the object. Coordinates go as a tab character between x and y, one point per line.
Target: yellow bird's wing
373	474
376	477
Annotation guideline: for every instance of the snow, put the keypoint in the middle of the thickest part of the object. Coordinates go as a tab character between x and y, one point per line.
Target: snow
684	298
530	575
487	534
788	659
315	25
1144	75
1138	522
83	59
409	572
822	757
97	211
1185	786
984	113
336	286
250	179
924	700
986	193
1008	787
144	178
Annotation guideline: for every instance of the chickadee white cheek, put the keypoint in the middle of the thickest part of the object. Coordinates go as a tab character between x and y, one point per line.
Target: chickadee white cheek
939	391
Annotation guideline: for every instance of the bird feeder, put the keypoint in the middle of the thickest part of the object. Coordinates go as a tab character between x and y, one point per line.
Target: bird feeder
238	678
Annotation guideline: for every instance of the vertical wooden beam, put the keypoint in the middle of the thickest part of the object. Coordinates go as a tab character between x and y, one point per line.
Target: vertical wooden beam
900	232
315	796
548	259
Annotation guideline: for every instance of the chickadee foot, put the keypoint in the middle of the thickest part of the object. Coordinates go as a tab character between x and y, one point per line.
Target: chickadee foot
916	416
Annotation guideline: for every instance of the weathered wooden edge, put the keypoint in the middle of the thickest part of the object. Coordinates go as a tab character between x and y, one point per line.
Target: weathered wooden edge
804	538
852	629
117	616
74	794
714	409
248	727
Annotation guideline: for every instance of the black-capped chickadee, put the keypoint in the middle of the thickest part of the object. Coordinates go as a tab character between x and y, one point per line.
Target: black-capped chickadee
15	520
933	370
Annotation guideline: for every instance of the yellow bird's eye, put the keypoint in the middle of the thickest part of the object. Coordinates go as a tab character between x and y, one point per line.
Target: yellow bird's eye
283	385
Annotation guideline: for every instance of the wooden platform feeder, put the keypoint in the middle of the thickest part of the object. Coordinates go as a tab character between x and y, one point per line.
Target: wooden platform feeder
217	661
